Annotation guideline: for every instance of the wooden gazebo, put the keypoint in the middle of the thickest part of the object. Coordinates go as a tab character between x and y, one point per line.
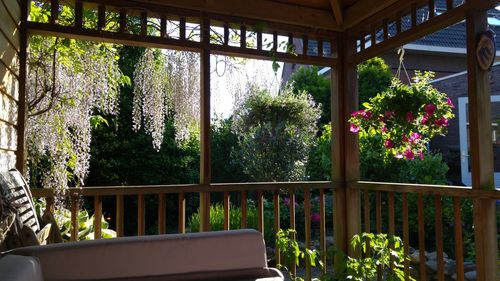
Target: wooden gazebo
354	30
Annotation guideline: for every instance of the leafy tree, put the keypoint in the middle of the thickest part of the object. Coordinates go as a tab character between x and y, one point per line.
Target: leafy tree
275	134
225	168
318	86
374	76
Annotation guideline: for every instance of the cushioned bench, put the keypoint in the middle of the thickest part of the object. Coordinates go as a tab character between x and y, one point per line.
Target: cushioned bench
222	255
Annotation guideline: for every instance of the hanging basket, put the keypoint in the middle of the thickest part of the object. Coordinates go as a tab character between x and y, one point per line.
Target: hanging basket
405	117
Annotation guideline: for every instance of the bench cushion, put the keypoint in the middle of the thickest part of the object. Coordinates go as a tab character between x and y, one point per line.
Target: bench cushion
150	256
20	268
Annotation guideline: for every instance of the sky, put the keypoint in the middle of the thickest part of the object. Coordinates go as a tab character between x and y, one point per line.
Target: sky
225	84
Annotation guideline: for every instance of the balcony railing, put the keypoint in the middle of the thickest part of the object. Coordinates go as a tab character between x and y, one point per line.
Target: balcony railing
379	204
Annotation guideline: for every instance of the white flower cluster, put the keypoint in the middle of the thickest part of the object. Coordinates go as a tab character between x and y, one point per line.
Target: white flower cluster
64	89
166	82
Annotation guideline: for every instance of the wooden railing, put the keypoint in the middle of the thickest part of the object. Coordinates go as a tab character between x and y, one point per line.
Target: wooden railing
380	202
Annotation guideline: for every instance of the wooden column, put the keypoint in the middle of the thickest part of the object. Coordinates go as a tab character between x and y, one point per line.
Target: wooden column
481	151
205	126
345	164
21	111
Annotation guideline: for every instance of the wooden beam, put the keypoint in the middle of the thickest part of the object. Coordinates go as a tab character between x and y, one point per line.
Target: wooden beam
260	10
485	225
337	11
363	9
170	43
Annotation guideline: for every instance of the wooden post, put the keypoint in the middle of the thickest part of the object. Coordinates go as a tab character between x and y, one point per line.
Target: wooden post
338	168
21	111
345	150
481	151
205	126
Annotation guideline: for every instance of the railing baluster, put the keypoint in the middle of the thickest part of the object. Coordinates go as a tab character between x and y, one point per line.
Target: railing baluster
373	37
182	213
293	269
260	211
227	210
141	215
226	34
366	197
392	228
459	251
54	11
307	226
378	211
119	215
78	14
243	36
101	17
406	235
362	43
74	217
413	16
123	21
421	238
182	28
163	27
386	29
275	41
97	216
432	9
322	226
277	226
244	223
398	25
305	45
144	24
439	236
449	5
320	47
162	213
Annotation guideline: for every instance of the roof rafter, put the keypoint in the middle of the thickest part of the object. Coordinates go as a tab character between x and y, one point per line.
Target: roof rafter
337	11
259	9
363	9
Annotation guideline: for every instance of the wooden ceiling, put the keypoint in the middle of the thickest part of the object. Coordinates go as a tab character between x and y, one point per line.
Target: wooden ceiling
336	15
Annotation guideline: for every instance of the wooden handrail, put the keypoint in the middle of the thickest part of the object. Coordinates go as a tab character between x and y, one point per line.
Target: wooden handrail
184	188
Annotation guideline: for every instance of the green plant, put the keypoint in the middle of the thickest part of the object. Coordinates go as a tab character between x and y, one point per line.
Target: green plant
292	255
381	253
85	225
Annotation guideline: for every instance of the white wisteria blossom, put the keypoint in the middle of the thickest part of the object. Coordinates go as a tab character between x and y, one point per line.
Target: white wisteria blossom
67	83
166	82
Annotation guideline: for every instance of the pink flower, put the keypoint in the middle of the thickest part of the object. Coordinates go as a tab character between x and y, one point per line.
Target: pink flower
421	155
389	144
381	118
450	103
354	128
408	154
383	129
415	137
367	115
359	112
409	117
388	114
315	217
399	155
424	119
286	201
405	138
429	109
443	121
